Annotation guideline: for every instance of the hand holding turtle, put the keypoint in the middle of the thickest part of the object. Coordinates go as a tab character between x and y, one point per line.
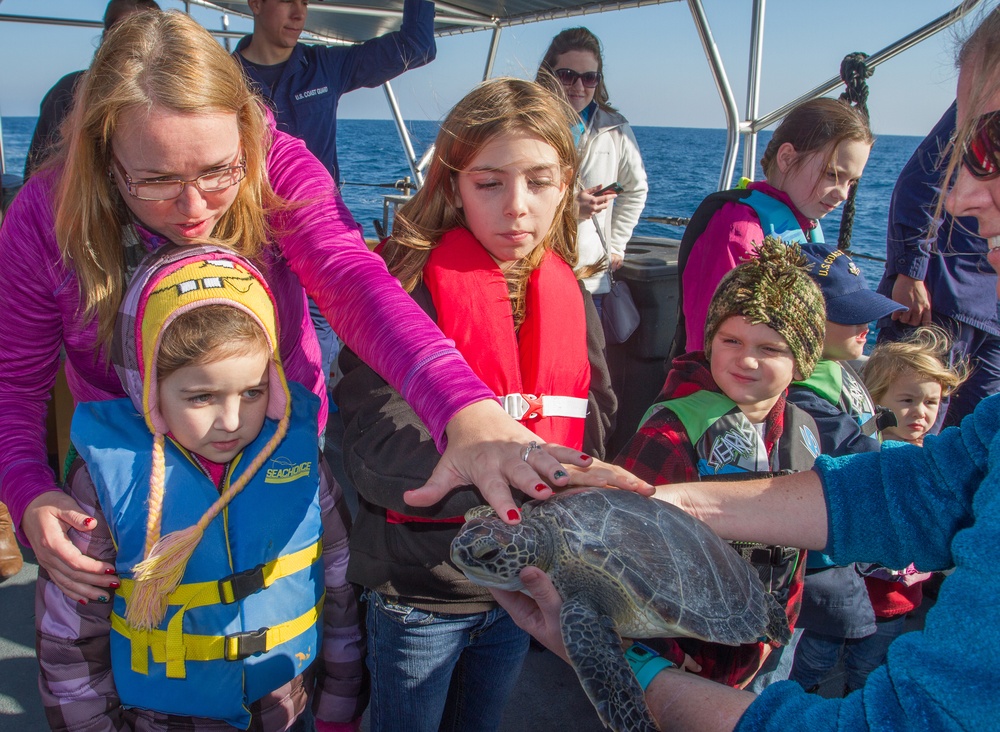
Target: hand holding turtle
536	613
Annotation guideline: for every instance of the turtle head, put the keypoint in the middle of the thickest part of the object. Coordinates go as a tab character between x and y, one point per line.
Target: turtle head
492	553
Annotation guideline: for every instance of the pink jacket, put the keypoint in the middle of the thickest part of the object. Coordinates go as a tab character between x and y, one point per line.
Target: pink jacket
726	241
323	250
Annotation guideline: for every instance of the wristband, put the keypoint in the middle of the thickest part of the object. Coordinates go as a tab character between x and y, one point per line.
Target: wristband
646	663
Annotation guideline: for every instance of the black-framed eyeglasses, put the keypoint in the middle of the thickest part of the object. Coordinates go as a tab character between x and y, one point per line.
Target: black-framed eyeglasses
981	154
166	190
568	77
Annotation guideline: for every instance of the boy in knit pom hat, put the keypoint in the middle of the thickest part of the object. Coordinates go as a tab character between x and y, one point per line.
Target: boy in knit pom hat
723	413
210	499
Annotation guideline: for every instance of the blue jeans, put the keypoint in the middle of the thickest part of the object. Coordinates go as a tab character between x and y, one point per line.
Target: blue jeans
867	654
436	671
817	654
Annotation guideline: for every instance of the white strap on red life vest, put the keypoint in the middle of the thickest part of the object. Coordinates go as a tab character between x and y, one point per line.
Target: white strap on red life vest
529	406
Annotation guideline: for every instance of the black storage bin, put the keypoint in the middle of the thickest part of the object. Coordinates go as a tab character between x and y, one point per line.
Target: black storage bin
638	365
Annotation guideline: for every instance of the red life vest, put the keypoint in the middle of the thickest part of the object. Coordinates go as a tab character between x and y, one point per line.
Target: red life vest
547	356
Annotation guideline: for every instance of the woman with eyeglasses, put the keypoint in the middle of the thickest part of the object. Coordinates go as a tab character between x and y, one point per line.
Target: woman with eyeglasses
937	506
167	143
573	65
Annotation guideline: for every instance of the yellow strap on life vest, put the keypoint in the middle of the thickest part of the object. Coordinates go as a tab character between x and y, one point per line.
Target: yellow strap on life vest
200	594
214	647
274	570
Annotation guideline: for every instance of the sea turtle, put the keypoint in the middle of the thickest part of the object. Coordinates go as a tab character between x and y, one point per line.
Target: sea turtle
626	565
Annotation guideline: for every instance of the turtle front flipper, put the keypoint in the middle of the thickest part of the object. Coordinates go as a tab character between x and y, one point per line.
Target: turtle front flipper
594	648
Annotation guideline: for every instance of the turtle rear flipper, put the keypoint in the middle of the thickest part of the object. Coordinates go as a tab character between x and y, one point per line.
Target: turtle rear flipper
777	621
594	648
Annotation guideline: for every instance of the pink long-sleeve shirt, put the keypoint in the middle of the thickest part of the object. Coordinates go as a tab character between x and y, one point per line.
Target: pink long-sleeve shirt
728	240
320	249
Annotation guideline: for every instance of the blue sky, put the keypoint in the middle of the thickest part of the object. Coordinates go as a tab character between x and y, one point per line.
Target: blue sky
655	68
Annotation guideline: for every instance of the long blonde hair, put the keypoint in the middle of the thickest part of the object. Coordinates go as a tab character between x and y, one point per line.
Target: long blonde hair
496	107
149	59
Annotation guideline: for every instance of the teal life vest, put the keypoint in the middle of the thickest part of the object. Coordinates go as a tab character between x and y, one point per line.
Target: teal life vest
839	384
245	619
726	446
776	219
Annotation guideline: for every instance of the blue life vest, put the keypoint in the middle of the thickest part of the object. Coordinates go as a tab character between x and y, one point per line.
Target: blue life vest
245	619
839	384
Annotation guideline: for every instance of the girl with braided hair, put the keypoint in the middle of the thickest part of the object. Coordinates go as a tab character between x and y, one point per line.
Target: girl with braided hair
815	156
223	599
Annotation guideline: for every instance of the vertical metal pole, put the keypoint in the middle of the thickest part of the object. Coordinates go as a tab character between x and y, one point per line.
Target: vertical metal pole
404	135
225	27
3	168
753	87
725	91
491	55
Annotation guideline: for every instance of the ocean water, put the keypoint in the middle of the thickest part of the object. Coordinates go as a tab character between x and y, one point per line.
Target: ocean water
682	164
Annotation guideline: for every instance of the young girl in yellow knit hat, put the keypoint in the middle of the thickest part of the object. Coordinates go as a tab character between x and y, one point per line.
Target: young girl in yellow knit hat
219	615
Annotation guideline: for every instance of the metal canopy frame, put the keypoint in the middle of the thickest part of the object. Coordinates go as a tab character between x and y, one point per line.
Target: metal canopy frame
346	23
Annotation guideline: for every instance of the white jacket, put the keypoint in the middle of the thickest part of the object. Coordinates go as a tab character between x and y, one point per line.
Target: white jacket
609	154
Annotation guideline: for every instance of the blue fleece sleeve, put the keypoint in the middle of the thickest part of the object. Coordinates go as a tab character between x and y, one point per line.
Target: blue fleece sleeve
940	504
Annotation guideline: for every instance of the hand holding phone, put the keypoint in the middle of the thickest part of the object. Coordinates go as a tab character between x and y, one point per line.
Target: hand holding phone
610	188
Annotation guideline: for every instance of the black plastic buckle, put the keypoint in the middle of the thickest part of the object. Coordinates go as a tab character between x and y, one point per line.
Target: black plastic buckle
248	644
243	584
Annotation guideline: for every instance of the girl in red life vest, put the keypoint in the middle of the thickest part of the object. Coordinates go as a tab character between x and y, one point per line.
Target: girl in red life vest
488	248
815	156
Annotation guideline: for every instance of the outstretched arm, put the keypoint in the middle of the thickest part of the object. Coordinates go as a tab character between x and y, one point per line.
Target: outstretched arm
788	510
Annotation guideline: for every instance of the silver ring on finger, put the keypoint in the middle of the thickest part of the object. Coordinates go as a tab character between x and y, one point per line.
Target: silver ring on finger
527	451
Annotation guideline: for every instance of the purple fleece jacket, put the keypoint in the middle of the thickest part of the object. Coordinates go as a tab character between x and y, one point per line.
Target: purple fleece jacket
321	250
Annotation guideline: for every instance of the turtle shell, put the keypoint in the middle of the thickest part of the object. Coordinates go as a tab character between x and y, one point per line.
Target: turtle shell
654	569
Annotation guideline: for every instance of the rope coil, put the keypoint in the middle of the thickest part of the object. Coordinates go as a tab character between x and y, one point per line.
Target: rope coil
853	71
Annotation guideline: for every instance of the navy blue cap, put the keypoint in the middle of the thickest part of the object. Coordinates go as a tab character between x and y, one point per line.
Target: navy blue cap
849	301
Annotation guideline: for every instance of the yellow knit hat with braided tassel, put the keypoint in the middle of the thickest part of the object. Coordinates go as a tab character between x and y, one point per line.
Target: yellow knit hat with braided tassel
169	283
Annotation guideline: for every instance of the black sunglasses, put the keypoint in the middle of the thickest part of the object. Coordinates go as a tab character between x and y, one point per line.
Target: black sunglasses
981	154
568	77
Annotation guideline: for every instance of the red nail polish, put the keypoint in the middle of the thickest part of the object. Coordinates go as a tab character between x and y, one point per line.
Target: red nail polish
585	457
513	514
541	487
109	571
88	521
115	585
82	601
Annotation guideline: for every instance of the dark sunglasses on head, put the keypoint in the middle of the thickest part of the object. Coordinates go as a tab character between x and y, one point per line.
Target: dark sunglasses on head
981	154
568	77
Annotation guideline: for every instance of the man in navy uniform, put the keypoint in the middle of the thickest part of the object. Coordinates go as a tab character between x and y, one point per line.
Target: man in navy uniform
304	84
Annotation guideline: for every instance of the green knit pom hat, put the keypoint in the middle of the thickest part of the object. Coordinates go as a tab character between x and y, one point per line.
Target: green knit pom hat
774	289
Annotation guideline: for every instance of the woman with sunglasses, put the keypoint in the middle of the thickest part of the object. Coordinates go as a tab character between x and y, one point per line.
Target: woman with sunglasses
937	506
573	66
167	144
